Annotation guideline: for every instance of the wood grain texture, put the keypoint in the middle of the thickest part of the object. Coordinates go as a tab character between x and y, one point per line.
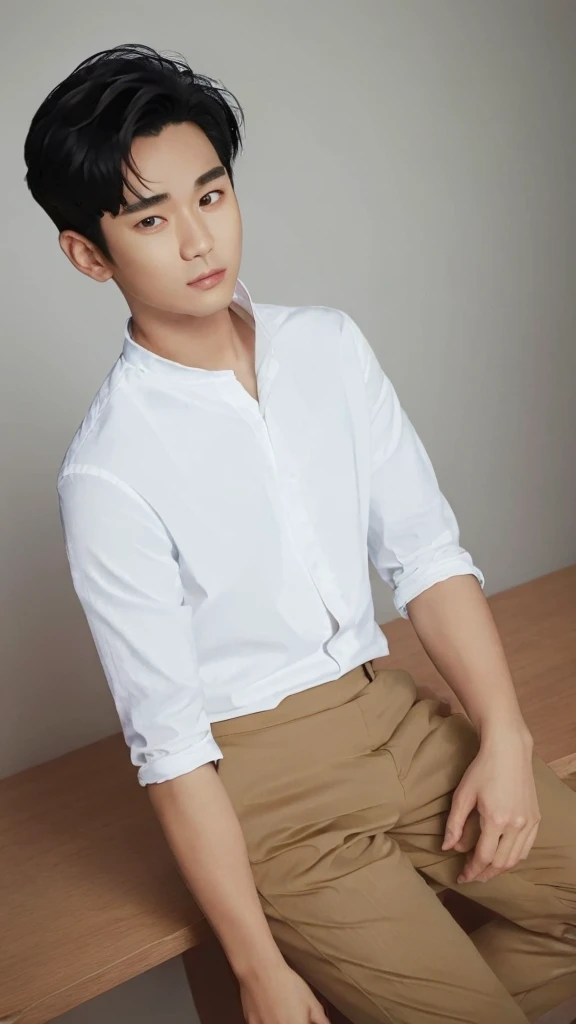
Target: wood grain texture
90	895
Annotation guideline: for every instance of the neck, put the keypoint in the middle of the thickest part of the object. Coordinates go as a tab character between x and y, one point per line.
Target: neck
222	341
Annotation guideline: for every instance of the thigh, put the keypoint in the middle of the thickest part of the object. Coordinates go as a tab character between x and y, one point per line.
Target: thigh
316	798
430	750
378	943
540	892
432	753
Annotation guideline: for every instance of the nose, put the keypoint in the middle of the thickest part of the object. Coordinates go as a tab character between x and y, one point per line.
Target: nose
195	238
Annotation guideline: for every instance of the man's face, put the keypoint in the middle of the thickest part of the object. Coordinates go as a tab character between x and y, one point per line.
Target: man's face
159	250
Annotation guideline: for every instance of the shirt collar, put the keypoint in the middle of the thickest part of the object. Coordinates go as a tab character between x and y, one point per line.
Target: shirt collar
146	360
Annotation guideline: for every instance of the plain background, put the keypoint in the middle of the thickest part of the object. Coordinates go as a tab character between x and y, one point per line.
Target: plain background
410	161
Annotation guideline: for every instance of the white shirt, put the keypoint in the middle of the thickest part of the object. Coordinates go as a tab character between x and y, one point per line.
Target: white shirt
219	545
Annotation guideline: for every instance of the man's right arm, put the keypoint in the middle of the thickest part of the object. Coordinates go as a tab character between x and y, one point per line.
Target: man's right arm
127	578
204	834
126	575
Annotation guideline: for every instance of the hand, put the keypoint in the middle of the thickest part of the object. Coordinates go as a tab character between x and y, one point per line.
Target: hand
499	788
280	996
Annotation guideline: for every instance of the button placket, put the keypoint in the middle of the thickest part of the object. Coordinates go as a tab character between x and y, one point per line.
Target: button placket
293	506
307	544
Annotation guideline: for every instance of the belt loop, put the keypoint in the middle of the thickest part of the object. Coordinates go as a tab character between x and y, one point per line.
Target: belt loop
368	670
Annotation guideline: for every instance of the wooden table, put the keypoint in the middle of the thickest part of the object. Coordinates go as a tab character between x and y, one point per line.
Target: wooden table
90	895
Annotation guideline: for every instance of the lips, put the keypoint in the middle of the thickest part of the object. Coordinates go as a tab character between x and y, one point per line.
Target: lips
211	277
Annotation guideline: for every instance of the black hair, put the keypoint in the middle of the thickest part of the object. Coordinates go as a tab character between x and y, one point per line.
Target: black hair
79	142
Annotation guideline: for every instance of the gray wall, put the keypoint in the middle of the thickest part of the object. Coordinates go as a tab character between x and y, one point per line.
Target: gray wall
410	161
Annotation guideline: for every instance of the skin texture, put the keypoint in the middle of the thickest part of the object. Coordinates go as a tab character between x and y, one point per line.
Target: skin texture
157	251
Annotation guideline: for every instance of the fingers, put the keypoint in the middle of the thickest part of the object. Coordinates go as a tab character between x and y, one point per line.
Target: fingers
483	854
317	1016
316	1012
513	846
461	808
529	842
470	833
504	856
518	851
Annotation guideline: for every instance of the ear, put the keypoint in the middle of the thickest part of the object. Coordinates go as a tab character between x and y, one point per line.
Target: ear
85	256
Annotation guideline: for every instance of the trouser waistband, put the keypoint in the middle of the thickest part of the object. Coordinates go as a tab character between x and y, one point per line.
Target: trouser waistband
305	702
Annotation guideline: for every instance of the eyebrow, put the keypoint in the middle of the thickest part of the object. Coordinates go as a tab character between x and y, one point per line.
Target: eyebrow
144	204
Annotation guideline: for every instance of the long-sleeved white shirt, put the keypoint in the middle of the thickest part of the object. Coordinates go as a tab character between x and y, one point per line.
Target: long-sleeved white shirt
219	545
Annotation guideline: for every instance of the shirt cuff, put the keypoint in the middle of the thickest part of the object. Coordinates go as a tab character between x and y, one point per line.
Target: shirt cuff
406	593
170	766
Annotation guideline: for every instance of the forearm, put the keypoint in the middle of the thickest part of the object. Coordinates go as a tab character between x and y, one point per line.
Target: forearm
205	836
455	625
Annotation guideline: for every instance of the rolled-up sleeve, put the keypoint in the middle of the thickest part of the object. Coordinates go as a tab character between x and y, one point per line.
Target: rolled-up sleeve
413	535
125	572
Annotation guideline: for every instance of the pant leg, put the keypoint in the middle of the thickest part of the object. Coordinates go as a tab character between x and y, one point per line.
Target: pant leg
531	948
378	943
346	906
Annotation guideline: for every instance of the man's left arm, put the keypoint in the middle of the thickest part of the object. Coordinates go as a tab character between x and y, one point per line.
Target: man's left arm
457	630
413	542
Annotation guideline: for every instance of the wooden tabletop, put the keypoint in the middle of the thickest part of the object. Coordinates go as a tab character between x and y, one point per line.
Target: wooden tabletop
90	895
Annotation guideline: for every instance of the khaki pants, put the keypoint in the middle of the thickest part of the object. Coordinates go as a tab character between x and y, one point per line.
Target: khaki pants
342	792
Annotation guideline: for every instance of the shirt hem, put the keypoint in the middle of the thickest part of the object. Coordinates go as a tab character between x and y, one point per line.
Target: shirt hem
375	651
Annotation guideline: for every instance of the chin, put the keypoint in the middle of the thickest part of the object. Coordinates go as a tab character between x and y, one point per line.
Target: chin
213	301
208	307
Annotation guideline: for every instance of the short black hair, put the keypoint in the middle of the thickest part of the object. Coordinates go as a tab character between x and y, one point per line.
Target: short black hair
79	142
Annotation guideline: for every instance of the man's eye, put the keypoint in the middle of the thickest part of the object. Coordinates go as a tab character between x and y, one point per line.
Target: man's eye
148	222
215	192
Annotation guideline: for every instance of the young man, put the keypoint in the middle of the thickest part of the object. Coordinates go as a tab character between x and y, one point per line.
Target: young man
219	503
